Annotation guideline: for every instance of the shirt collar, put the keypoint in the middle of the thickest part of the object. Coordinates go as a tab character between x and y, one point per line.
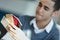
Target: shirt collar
47	28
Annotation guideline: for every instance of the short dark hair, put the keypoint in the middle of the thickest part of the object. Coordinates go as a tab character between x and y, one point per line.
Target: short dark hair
56	5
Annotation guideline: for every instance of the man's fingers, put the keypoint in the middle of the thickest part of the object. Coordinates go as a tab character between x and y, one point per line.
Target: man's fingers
9	28
15	37
13	26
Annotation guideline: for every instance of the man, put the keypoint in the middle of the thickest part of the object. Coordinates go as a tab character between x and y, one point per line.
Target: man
42	27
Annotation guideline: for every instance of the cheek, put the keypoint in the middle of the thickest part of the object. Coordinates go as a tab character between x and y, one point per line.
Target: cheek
47	15
37	10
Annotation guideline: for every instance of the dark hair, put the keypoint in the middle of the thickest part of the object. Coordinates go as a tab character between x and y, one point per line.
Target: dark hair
56	5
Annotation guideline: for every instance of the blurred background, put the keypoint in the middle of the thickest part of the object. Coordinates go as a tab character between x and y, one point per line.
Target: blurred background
21	7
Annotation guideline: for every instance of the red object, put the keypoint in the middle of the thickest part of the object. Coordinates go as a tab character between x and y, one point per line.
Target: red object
16	22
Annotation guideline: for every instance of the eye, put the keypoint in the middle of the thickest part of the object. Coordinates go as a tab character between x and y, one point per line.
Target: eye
40	4
46	8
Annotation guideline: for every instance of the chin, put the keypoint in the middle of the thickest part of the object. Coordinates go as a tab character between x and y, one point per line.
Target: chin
38	19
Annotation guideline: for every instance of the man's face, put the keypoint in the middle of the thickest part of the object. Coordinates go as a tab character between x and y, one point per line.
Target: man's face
44	10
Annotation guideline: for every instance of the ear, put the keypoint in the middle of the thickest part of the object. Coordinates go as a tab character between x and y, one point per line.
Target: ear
55	13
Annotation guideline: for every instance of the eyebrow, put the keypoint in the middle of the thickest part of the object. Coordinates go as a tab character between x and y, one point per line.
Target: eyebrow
40	3
44	5
46	8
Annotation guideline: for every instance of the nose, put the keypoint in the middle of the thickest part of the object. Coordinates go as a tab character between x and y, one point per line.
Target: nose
41	10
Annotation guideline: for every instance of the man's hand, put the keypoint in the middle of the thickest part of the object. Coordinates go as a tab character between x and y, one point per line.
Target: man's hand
16	33
12	25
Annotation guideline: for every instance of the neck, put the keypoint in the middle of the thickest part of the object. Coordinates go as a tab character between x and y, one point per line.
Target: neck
42	24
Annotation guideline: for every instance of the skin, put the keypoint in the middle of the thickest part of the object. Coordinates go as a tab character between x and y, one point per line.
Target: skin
44	13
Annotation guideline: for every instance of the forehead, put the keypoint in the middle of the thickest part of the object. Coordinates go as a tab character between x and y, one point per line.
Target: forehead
47	2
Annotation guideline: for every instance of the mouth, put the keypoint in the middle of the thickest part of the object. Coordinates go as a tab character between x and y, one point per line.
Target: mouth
39	14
